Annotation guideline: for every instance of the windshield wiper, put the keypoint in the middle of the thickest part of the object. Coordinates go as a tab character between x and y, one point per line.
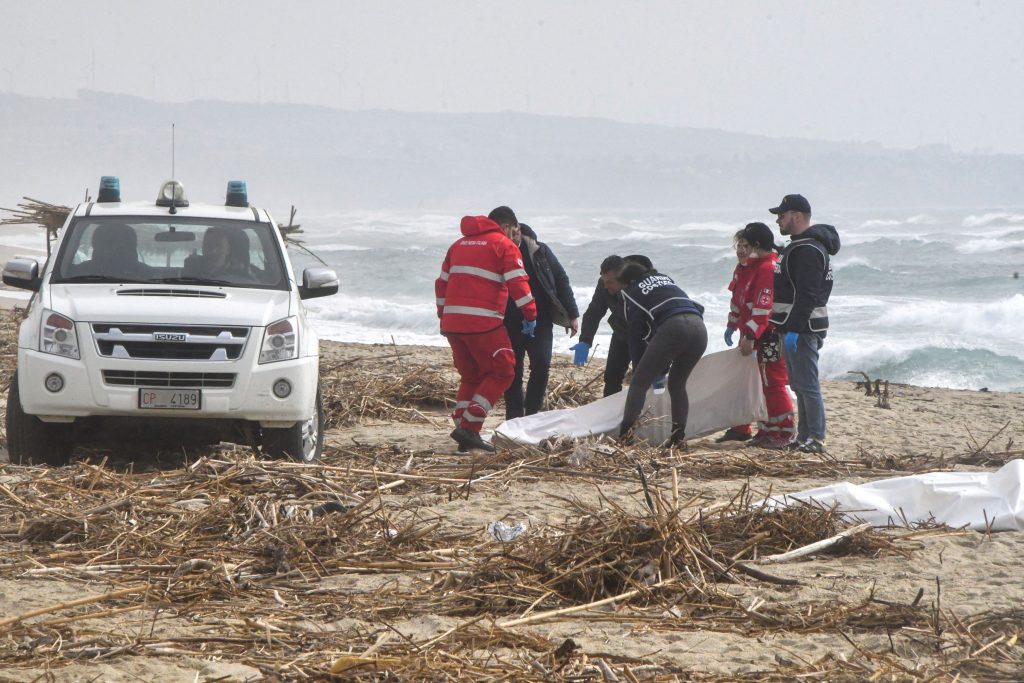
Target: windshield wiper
192	281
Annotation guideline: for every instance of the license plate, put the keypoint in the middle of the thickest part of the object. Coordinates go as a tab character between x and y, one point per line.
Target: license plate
170	399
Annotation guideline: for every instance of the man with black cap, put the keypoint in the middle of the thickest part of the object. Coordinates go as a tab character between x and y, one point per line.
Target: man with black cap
803	283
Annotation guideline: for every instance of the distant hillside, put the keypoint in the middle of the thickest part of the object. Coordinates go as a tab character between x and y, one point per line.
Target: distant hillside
320	158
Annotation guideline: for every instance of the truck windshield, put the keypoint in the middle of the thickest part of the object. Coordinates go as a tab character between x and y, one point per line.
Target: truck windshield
171	250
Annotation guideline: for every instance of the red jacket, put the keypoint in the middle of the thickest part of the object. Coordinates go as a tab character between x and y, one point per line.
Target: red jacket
752	287
479	273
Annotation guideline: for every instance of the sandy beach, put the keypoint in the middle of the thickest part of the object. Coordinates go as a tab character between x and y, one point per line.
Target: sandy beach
215	564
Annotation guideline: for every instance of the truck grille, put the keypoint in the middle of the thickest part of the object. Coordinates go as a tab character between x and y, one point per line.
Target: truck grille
169	342
173	380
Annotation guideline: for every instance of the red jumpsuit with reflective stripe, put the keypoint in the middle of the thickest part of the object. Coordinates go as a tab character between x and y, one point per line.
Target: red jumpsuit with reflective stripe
480	271
751	305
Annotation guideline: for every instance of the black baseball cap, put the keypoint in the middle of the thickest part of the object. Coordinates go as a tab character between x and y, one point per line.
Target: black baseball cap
792	202
758	235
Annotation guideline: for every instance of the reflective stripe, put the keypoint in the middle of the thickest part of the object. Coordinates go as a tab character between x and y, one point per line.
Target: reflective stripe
444	276
752	325
518	272
440	302
479	272
779	418
522	301
473	310
470	417
504	348
483	402
820	312
761	311
779	307
776	430
461	404
734	308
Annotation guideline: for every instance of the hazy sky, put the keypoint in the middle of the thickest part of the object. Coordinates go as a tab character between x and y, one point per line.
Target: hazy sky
899	73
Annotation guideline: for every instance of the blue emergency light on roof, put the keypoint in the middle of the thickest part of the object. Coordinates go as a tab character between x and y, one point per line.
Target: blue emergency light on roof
238	195
110	189
172	194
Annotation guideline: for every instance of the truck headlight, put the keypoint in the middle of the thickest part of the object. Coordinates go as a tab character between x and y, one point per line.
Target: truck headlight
280	341
58	335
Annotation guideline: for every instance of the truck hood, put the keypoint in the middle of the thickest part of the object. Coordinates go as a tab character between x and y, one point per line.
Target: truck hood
170	304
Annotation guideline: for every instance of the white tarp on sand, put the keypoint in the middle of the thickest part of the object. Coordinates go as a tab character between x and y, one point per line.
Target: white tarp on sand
977	500
724	390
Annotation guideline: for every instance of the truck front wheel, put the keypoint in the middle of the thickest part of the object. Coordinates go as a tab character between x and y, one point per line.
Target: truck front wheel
303	441
29	439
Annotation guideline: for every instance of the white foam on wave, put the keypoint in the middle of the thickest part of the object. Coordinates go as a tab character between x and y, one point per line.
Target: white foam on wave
358	334
416	316
987	245
842	355
917	219
996	326
840	264
341	247
879	222
973	221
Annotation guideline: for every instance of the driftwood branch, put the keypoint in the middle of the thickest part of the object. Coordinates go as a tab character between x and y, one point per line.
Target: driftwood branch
815	547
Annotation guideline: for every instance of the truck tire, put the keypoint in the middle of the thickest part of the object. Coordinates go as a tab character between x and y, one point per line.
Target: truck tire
303	441
29	439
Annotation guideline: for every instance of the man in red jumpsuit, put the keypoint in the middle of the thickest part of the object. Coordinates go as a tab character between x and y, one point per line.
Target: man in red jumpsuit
752	295
480	271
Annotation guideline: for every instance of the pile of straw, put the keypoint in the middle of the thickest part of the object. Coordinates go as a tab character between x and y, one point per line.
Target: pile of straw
399	392
227	558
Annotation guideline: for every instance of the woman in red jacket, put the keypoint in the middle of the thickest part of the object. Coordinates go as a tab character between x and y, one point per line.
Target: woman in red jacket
751	305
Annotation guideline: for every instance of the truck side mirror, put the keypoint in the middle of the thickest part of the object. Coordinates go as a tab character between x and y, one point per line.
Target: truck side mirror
23	273
317	282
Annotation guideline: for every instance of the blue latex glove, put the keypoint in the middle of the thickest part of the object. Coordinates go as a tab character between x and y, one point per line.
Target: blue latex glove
660	381
789	342
529	328
582	352
728	336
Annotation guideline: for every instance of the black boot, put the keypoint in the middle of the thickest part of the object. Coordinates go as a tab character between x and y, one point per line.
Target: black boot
627	434
678	437
468	440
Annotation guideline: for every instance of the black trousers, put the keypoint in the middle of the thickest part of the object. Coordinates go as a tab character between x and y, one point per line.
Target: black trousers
538	350
617	364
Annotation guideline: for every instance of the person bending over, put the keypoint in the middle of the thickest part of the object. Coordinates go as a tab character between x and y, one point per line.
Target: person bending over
607	298
666	330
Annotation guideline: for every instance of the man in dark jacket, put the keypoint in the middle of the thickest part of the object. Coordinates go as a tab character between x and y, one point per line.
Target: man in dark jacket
555	306
803	283
607	297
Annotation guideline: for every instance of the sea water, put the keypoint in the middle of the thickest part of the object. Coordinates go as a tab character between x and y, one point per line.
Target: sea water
925	297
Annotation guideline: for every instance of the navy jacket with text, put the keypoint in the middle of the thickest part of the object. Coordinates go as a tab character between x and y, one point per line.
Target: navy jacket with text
650	301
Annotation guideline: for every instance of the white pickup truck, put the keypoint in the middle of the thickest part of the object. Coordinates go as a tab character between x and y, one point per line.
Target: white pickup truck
171	315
